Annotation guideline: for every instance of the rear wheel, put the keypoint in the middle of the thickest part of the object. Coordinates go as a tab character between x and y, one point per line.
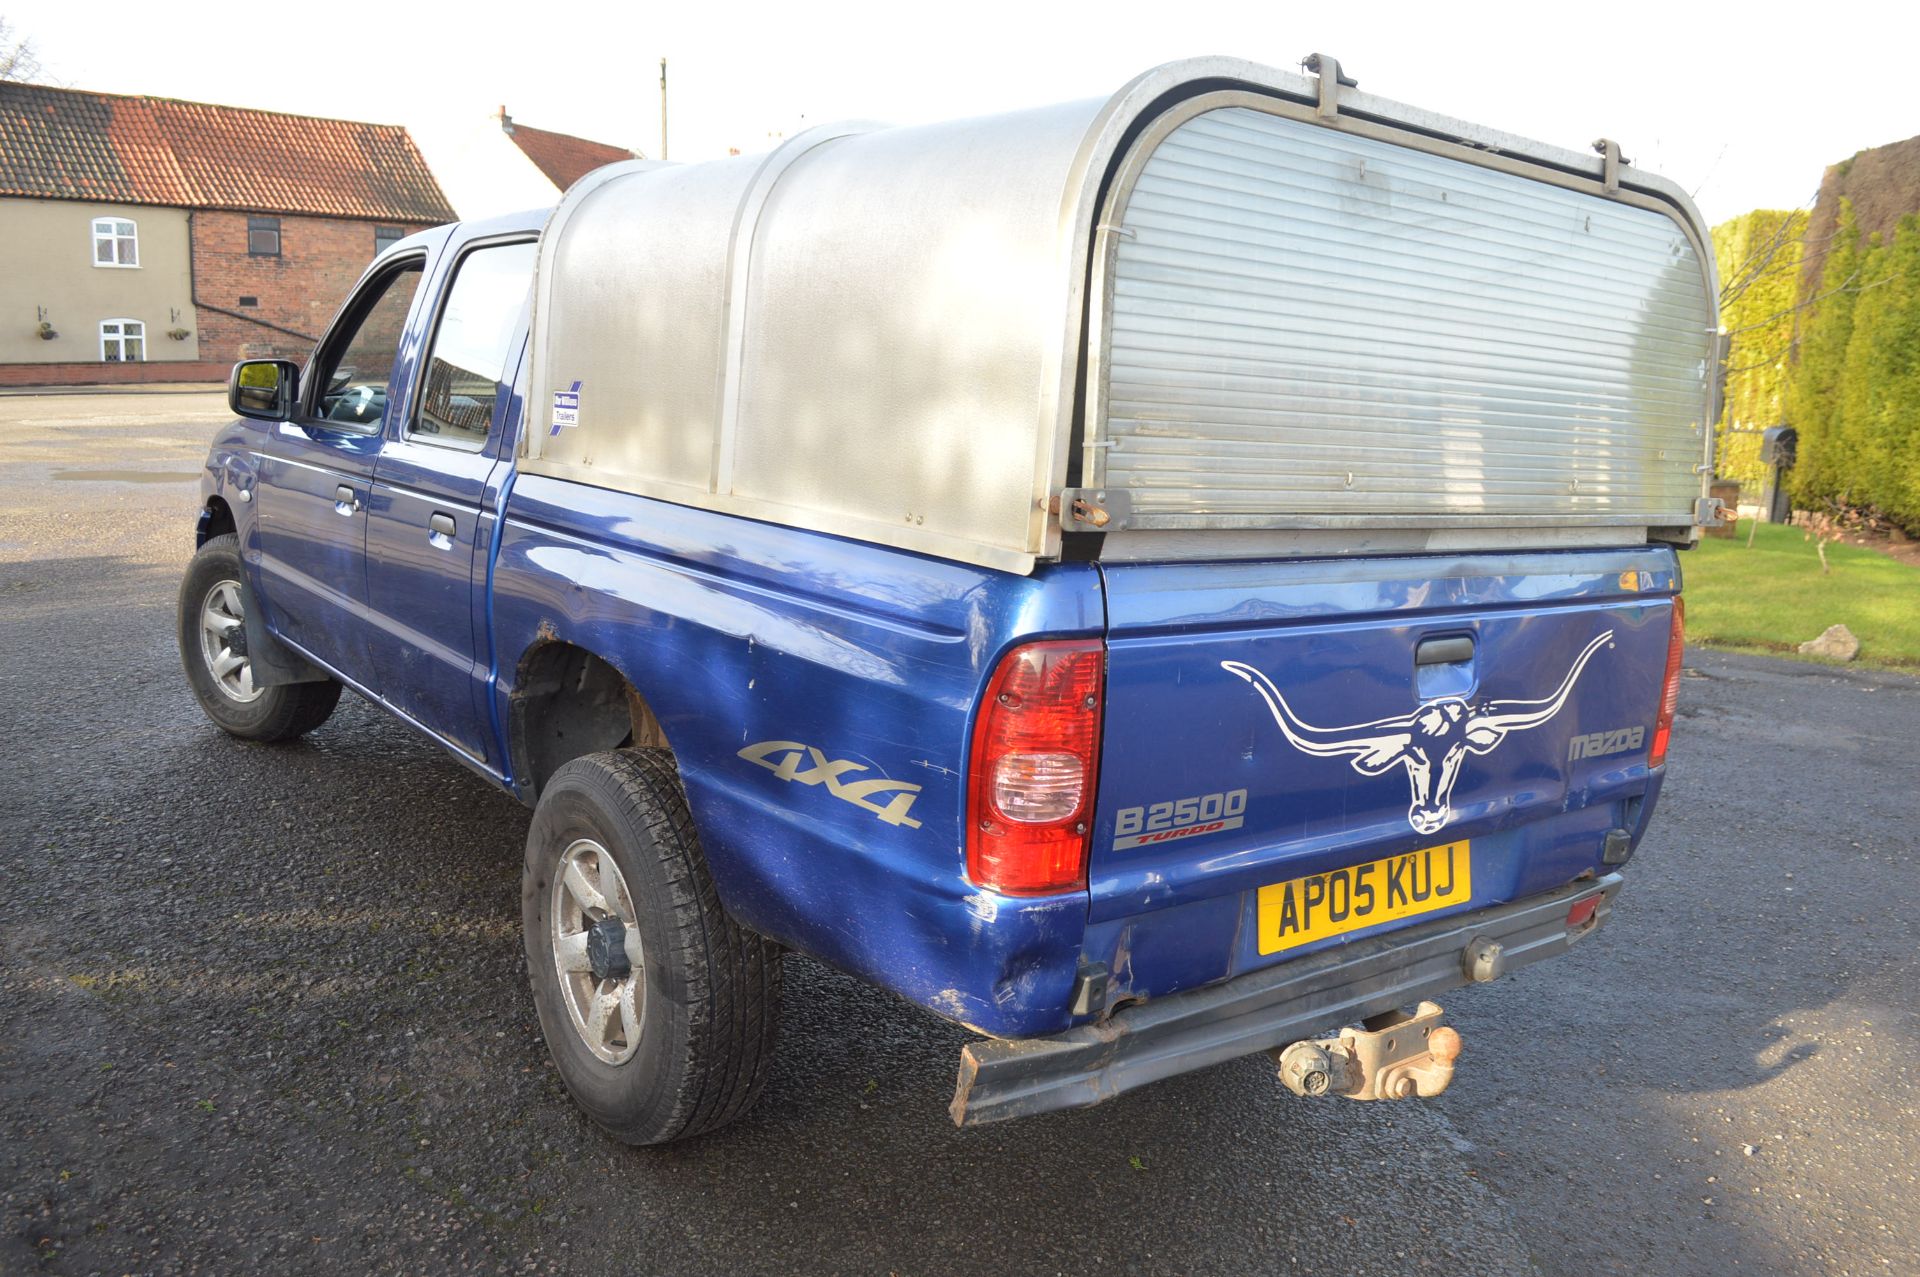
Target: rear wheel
214	600
658	1009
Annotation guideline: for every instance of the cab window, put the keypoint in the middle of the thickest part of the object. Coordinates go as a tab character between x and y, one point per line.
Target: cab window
472	344
357	366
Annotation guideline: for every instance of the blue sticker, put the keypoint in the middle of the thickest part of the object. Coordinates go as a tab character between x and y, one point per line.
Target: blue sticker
566	407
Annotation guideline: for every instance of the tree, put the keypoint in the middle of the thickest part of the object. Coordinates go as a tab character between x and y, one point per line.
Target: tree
1759	256
1768	307
1874	432
1813	396
18	61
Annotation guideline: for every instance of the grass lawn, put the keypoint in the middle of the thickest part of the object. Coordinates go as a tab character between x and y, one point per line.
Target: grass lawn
1774	597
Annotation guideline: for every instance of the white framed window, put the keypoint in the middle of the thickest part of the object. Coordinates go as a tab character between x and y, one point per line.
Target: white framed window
116	242
123	341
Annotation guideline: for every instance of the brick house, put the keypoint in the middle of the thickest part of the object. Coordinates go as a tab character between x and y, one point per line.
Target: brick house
146	239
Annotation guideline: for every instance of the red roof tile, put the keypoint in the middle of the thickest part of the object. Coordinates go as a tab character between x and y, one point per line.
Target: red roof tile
68	144
565	159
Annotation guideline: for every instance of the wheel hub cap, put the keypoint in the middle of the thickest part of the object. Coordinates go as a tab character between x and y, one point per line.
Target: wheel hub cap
597	951
607	950
223	642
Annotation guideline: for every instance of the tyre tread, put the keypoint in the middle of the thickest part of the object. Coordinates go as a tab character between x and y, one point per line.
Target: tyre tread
291	709
733	975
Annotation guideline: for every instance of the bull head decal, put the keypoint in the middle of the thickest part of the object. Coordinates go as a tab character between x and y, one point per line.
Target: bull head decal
1431	743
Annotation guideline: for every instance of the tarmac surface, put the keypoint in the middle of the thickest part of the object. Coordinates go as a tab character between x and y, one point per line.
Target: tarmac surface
263	1009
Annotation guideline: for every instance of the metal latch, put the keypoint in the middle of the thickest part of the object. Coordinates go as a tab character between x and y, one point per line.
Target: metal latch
1711	512
1091	509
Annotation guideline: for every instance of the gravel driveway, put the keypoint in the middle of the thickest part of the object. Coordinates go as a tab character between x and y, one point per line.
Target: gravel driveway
262	1009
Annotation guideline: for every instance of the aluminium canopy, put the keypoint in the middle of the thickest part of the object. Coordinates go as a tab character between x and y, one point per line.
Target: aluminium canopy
1229	310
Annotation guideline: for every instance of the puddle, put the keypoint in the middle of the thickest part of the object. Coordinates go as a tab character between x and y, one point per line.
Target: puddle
123	476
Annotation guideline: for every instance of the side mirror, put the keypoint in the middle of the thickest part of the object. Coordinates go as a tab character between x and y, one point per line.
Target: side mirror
264	389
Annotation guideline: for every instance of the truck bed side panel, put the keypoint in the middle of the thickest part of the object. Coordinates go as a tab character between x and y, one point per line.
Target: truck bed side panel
757	646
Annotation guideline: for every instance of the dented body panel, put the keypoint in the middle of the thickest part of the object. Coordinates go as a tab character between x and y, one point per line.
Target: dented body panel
787	669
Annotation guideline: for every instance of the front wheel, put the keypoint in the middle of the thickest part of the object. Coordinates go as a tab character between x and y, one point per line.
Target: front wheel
658	1009
213	649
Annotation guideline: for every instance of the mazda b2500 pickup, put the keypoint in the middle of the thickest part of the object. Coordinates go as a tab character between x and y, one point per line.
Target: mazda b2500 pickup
1150	580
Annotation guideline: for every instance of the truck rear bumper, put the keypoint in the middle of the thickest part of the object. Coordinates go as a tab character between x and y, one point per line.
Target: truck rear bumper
1268	1008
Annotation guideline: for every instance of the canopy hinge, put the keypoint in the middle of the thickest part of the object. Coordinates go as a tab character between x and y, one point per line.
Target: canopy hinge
1332	80
1610	163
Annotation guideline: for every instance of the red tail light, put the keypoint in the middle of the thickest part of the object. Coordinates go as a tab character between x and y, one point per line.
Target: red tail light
1670	691
1030	779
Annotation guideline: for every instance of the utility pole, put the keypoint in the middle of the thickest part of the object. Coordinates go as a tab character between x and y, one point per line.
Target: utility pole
663	108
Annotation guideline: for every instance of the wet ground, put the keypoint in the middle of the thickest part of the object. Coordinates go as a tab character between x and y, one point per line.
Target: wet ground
263	1009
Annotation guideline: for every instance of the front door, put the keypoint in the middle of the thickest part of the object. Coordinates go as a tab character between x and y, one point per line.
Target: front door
423	551
316	470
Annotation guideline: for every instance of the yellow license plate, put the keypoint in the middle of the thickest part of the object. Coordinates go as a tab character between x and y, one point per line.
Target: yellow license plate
1330	904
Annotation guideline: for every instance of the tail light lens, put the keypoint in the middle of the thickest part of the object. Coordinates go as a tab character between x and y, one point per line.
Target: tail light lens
1670	690
1036	746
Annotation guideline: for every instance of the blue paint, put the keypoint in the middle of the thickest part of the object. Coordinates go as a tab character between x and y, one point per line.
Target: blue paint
490	693
849	661
739	632
1339	638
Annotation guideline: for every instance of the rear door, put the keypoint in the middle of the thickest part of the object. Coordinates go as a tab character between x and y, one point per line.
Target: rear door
423	529
1299	754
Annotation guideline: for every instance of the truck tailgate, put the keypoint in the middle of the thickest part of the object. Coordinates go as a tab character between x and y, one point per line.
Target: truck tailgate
1299	754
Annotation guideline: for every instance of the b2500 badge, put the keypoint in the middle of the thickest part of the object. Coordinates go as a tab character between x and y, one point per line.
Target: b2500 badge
1432	742
790	760
1182	818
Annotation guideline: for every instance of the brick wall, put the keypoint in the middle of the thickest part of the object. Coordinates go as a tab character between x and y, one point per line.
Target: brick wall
299	290
98	374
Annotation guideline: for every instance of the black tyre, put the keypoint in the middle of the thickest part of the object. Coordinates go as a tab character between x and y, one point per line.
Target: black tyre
214	600
658	1009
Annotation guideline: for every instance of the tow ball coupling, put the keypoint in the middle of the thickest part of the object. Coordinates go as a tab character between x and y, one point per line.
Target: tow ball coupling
1397	1057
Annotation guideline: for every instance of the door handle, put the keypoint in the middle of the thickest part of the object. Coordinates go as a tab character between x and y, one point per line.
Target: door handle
1443	651
346	501
440	531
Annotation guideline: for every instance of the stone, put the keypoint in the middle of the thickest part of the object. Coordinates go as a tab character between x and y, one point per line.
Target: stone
1836	643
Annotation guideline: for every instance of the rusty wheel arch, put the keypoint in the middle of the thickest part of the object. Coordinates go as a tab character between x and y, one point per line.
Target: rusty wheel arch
567	702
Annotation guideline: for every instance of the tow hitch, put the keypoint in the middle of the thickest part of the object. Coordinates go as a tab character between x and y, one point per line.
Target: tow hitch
1401	1056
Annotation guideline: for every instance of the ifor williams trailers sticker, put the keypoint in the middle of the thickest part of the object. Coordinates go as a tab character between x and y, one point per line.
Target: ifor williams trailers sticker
566	408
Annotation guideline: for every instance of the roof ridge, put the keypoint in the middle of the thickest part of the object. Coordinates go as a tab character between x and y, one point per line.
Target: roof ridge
139	148
522	124
221	106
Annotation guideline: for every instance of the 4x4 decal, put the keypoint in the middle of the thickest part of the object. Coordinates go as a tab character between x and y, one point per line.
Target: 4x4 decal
785	759
1431	742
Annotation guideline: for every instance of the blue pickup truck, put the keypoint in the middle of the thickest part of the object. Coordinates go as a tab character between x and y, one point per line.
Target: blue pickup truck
1150	580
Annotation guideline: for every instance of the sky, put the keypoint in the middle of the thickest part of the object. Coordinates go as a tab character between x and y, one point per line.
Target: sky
1745	105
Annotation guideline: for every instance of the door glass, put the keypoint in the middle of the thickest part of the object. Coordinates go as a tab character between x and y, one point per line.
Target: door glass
472	345
354	372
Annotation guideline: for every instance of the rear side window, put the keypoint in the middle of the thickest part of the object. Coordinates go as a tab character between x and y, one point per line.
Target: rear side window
471	345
